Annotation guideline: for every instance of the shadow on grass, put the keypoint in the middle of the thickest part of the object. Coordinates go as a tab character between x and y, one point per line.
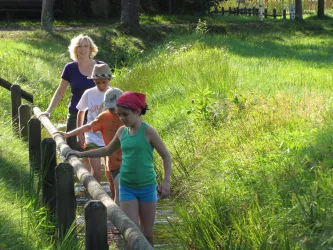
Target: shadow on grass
15	178
10	238
14	181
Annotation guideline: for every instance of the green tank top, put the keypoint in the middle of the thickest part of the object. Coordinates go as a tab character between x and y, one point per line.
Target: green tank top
137	168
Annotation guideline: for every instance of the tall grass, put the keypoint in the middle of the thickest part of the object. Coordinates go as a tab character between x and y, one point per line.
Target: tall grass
246	115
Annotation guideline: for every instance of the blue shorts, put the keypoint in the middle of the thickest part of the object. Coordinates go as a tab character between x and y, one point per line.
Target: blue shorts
145	194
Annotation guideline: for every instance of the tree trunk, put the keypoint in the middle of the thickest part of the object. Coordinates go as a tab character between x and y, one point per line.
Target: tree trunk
170	6
298	10
146	5
129	16
321	8
47	15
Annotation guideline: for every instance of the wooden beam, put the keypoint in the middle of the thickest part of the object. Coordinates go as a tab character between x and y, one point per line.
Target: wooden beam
27	96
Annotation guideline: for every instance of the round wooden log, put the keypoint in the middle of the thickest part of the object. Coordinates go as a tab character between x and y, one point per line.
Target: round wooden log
48	155
24	117
16	103
96	226
66	202
34	140
25	95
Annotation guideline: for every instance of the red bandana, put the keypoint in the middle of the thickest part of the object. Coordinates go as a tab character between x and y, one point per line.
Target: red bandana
133	100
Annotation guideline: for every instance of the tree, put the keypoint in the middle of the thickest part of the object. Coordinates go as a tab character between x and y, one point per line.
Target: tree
146	5
129	15
321	8
47	15
298	10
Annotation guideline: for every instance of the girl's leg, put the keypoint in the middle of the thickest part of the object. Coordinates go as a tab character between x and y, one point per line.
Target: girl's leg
131	209
116	189
147	218
86	164
111	183
96	168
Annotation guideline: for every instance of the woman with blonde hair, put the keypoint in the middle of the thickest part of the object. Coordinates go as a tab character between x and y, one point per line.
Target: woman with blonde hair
82	50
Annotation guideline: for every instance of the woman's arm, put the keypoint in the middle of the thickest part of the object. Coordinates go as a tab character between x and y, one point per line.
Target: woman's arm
155	140
58	94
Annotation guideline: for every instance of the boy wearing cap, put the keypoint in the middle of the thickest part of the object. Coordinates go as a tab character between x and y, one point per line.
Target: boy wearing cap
92	102
107	123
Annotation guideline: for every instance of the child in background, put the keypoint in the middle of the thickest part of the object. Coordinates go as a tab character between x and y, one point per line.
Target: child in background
92	100
137	189
107	123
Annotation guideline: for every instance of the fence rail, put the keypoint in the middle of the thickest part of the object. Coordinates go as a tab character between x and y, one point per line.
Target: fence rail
251	11
27	96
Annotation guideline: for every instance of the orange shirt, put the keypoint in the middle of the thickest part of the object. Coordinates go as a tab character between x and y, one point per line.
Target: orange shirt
108	124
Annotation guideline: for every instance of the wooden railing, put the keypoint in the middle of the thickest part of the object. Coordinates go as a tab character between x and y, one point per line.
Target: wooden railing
58	180
252	11
20	113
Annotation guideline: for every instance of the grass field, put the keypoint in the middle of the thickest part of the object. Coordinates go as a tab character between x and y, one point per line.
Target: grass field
244	107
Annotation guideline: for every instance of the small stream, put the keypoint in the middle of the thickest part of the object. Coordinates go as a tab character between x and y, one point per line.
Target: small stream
164	213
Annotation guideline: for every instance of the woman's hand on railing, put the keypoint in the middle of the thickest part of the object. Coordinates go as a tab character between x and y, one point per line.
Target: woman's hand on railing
47	113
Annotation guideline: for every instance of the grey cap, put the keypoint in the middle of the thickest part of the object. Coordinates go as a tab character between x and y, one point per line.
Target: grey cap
111	96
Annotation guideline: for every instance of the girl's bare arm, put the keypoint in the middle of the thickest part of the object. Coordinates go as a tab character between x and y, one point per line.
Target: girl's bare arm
100	152
156	141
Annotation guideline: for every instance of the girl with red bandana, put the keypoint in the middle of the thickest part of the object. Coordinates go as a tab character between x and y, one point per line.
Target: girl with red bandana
137	139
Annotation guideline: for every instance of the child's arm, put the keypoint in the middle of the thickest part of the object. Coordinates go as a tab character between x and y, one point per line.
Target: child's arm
77	131
155	140
100	152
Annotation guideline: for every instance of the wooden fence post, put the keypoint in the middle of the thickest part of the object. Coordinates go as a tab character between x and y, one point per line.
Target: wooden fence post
274	13
34	140
265	12
16	103
96	225
254	11
222	11
24	117
230	11
48	155
284	14
66	203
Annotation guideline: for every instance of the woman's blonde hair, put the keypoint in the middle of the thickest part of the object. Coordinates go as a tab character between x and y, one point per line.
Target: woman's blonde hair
75	43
